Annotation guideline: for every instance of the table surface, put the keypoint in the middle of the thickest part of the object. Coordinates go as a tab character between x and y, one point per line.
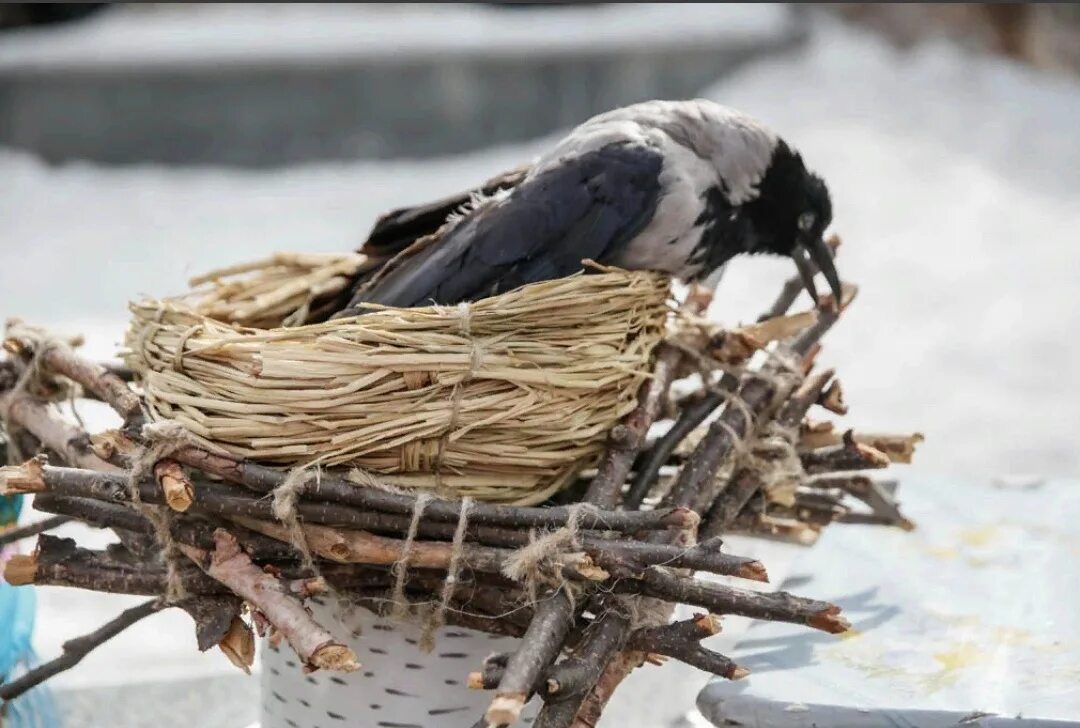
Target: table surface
970	618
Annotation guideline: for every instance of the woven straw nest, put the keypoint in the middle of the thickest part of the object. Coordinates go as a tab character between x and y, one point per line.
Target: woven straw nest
505	399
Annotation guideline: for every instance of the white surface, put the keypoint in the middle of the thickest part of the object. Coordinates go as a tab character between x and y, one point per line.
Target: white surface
973	611
956	185
132	38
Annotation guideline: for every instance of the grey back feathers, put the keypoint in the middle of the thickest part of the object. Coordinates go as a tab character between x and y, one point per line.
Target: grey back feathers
736	147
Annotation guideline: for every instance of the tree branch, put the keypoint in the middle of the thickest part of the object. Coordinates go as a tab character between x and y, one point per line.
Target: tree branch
315	647
76	649
32	529
339	490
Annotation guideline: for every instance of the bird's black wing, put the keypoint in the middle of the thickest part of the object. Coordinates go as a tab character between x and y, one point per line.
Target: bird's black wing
398	229
586	206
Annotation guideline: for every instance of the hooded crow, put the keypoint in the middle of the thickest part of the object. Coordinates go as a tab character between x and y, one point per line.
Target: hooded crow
680	187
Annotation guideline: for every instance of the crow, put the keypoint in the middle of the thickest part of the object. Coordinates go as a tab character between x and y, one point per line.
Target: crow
679	187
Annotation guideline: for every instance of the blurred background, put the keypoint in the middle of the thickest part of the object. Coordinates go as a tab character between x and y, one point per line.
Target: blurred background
142	143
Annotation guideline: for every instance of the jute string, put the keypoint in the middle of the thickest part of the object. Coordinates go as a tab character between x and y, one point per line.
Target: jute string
779	475
285	497
401	566
165	438
529	563
438	618
35	380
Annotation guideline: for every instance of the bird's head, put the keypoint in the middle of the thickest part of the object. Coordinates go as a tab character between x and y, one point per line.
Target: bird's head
789	216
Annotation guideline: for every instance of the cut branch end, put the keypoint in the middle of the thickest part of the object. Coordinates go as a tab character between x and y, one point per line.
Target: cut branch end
238	644
21	570
754	571
830	620
505	709
29	477
174	482
336	657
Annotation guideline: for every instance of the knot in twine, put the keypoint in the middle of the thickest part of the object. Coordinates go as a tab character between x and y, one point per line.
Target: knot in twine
285	497
779	476
35	380
529	563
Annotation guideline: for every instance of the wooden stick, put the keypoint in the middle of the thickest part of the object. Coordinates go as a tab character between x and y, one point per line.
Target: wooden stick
76	649
720	599
873	493
315	647
849	455
95	378
360	547
832	399
174	482
900	448
53	431
339	490
32	529
628	437
661	451
192	531
605	638
739	489
692	489
540	647
59	562
704	556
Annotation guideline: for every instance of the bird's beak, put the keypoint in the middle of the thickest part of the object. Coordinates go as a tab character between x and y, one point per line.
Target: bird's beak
817	251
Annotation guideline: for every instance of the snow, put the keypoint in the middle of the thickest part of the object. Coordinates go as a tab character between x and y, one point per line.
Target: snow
956	183
187	36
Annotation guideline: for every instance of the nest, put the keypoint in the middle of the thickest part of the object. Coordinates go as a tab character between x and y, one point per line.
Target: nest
503	400
244	380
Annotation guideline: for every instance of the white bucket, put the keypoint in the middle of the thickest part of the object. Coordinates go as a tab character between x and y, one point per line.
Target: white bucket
397	685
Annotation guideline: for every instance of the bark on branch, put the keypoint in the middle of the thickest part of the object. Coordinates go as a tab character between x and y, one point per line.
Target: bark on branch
228	564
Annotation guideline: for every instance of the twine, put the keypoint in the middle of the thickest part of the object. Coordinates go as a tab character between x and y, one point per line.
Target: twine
285	498
457	550
34	379
780	476
165	438
400	567
527	563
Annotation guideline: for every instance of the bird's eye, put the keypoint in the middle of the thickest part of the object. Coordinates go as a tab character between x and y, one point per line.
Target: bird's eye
806	221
